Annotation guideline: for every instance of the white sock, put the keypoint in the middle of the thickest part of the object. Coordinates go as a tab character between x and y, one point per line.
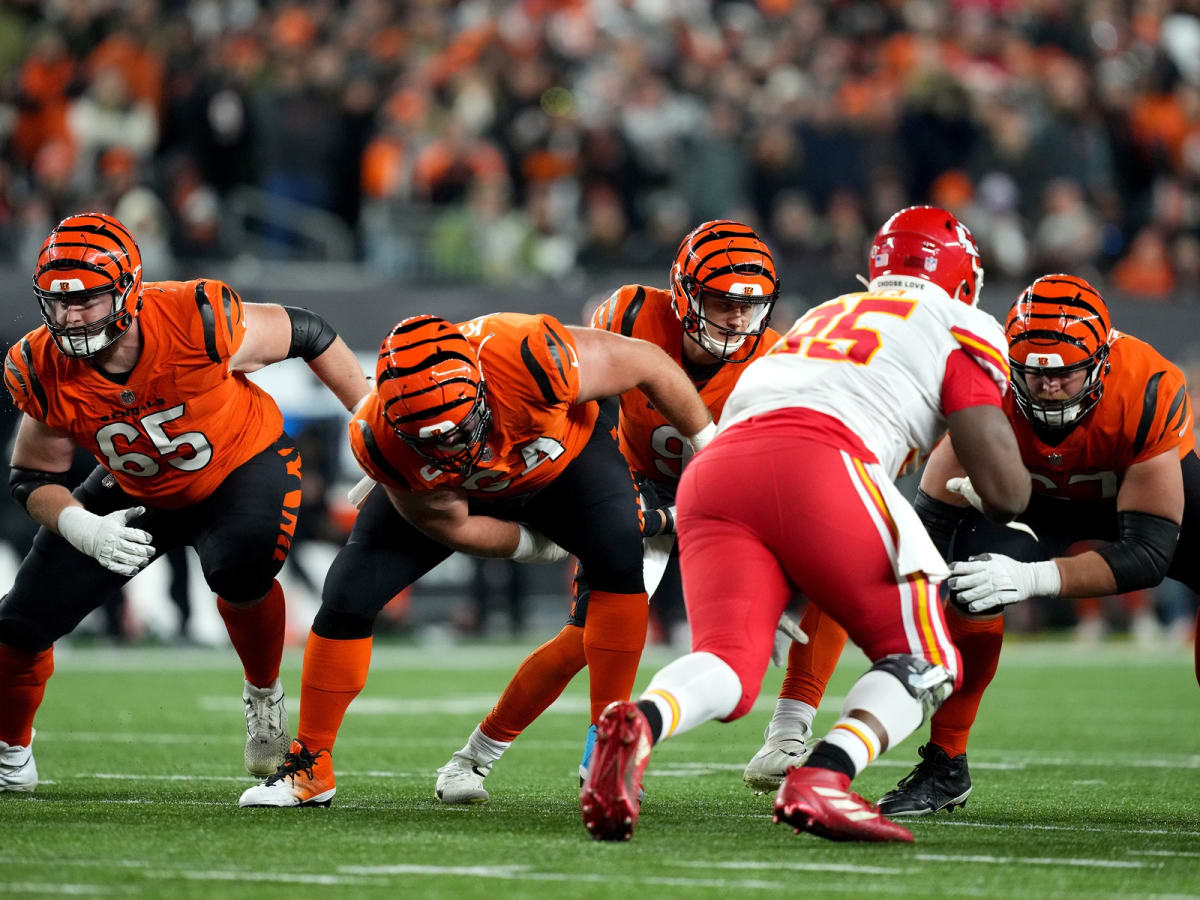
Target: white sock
885	698
692	690
791	717
483	749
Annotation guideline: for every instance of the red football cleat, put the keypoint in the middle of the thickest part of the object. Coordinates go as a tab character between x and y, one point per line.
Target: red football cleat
609	798
820	801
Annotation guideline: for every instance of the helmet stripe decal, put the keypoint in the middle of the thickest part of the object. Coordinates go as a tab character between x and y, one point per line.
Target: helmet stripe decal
538	373
631	312
34	382
209	320
1149	408
430	412
396	371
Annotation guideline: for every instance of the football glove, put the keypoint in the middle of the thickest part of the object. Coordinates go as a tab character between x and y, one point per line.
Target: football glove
991	581
701	438
966	490
108	539
787	631
358	494
535	547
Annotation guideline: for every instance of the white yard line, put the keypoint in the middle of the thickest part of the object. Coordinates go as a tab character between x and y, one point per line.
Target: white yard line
1095	828
1167	853
783	866
50	887
1036	861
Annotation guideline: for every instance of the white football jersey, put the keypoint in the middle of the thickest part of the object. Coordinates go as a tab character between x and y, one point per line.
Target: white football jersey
874	360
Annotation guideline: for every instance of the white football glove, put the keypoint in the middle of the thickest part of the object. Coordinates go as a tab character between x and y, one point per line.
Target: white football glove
787	631
358	494
108	539
992	581
701	438
966	490
535	547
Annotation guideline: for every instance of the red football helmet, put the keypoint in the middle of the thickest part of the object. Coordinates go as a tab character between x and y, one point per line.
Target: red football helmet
1058	326
432	392
931	244
83	257
724	261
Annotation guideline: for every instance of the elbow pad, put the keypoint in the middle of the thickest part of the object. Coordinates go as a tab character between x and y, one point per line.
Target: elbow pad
311	335
1142	555
23	482
940	519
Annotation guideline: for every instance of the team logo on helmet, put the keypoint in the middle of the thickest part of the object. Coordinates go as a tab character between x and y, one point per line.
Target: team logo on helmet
84	257
1058	327
724	262
930	244
433	393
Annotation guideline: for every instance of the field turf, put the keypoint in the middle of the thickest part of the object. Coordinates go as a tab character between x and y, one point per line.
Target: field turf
1086	766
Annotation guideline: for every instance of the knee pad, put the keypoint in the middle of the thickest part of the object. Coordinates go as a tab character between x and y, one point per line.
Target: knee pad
927	683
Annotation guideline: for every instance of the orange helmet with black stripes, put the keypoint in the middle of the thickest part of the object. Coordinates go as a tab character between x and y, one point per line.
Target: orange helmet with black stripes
1058	327
433	394
724	262
86	258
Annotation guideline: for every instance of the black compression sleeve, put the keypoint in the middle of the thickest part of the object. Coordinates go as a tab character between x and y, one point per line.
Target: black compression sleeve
1142	555
23	482
311	335
940	520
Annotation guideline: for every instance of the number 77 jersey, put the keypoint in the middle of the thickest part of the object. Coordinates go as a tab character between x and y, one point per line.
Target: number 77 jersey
181	421
877	361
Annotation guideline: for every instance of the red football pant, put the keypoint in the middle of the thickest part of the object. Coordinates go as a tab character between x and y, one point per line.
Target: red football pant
762	514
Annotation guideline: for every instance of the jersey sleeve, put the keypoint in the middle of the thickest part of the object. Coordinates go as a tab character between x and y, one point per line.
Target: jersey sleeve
620	311
989	352
365	446
1165	419
22	381
547	354
967	384
222	319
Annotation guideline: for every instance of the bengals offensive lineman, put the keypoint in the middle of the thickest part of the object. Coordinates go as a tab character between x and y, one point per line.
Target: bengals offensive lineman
1105	427
796	494
712	320
149	378
471	430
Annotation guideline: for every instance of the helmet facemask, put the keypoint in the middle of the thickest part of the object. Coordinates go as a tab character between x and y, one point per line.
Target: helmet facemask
89	338
722	342
452	447
1064	413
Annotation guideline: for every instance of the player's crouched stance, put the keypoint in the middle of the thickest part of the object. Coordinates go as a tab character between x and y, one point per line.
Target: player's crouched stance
797	488
148	379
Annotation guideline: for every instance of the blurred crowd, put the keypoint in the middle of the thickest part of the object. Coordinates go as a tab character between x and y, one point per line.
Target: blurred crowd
499	141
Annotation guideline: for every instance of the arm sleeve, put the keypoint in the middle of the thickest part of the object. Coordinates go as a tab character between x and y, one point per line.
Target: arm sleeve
966	383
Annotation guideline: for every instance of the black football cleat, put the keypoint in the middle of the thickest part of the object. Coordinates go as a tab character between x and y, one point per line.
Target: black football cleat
937	782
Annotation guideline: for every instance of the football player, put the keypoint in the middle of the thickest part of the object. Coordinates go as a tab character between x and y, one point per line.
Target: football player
796	494
150	379
1105	426
486	439
711	321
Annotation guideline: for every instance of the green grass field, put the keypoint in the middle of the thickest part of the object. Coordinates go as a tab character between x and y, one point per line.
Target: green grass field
1086	766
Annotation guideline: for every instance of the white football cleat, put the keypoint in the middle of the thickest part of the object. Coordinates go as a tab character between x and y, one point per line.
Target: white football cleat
461	780
267	737
766	771
18	771
303	778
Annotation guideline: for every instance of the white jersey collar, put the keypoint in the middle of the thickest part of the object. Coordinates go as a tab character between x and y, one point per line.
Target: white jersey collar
909	285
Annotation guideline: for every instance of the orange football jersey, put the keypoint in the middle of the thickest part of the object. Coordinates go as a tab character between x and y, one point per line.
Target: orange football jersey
1143	412
531	370
181	421
651	445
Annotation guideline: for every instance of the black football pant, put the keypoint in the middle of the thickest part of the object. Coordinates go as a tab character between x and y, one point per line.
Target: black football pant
241	532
